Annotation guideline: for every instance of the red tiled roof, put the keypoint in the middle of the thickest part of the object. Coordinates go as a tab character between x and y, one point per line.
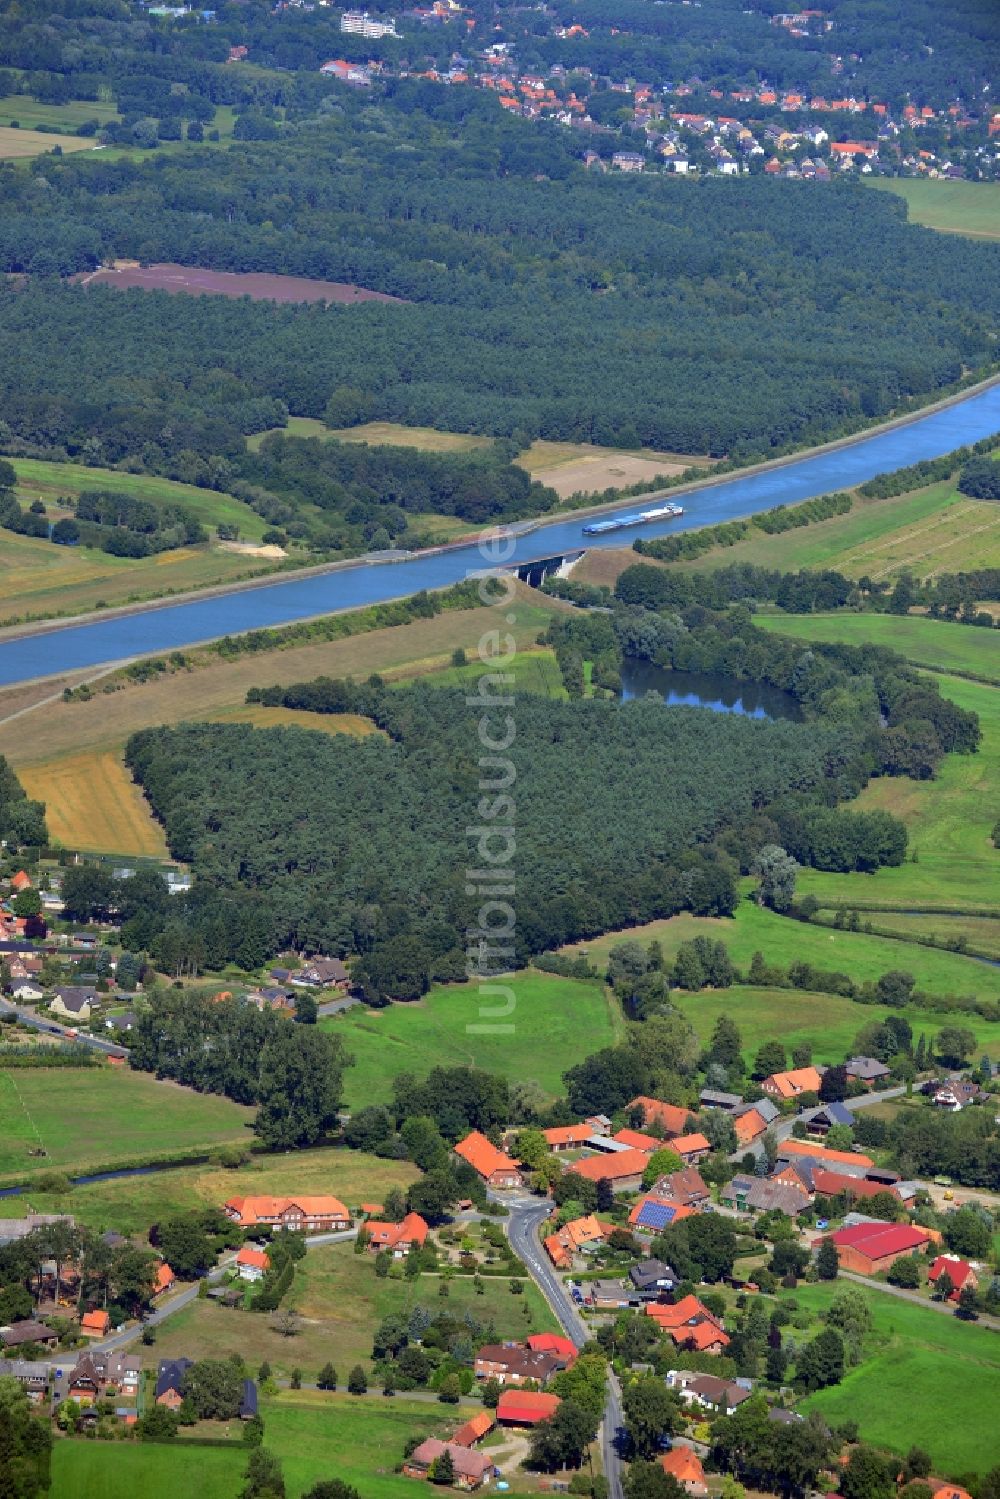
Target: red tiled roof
568	1134
748	1126
678	1312
823	1153
95	1322
702	1335
879	1239
639	1141
832	1183
673	1119
164	1278
251	1210
688	1144
412	1230
958	1271
683	1464
612	1167
552	1342
526	1406
482	1156
254	1259
476	1427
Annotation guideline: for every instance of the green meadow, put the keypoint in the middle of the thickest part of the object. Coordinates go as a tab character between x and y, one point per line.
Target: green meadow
554	1023
95	1116
316	1436
971	208
784	941
926	1378
937	644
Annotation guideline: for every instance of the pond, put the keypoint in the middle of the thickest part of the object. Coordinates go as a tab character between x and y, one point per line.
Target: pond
707	689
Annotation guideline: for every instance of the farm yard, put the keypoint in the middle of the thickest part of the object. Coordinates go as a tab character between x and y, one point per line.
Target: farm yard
91	1117
92	805
556	1023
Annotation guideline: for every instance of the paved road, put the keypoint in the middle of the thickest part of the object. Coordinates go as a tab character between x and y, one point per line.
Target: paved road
53	1028
945	1308
526	1215
337	1006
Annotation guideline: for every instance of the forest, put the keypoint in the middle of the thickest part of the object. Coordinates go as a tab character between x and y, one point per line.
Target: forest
603	301
22	822
292	1073
300	840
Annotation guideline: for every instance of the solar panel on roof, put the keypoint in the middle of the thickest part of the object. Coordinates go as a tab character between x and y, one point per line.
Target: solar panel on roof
656	1215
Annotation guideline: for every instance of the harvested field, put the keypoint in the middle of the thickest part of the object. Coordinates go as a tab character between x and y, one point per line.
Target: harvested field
200	282
93	805
579	468
283	718
58	729
19	144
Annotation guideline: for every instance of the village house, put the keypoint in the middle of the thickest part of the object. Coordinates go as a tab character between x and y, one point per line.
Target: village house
567	1137
838	1184
822	1120
822	1155
652	1278
471	1468
321	973
628	161
671	1119
74	1002
252	1264
525	1407
867	1070
690	1148
789	1085
870	1248
749	1126
19	1334
720	1396
711	1098
655	1212
956	1094
690	1325
516	1363
685	1186
608	1295
496	1168
633	1139
958	1271
579	1236
170	1382
98	1376
477	1427
12	1229
31	1374
306	1214
684	1464
623	1170
165	1278
95	1324
754	1194
397	1238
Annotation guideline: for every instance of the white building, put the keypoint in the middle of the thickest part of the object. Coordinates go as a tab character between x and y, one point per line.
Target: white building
361	23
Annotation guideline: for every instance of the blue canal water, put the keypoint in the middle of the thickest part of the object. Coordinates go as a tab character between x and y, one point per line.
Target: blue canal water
169	626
